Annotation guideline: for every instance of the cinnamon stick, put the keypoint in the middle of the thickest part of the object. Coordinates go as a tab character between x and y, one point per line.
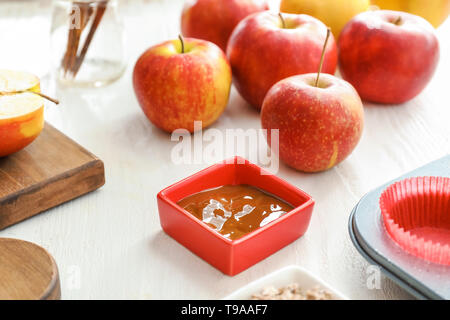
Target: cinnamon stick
73	57
85	13
74	36
100	10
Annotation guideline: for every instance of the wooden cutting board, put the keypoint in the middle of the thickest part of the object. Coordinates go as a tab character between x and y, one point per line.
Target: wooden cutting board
27	272
52	170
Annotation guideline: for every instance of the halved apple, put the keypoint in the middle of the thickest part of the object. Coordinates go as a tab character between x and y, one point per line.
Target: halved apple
21	113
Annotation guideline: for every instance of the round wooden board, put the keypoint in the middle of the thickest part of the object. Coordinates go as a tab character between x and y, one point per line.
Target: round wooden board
27	272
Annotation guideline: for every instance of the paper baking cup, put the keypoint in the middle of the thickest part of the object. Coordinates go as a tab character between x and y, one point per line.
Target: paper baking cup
416	214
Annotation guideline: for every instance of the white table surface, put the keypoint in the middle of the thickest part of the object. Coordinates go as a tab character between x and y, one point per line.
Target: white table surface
109	244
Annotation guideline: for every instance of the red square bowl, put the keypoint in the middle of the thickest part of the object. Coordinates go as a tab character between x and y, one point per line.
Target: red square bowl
233	256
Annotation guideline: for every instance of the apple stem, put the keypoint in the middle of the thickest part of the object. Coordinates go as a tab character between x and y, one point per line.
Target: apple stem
30	91
182	42
283	23
323	56
398	20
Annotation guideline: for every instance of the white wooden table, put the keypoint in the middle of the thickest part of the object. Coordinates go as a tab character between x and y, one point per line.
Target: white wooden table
109	244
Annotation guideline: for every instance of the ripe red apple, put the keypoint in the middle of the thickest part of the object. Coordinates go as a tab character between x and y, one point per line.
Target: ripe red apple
264	49
214	20
318	126
177	83
388	56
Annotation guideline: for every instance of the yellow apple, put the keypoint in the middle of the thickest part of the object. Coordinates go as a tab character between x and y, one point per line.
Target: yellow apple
334	13
435	11
21	114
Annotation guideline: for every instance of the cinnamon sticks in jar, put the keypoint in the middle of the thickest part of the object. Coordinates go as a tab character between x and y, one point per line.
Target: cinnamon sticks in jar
86	17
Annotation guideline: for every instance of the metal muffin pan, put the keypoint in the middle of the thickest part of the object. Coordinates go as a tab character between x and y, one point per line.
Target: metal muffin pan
423	279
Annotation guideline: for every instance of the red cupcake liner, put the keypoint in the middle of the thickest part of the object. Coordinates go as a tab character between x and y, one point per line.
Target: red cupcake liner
416	214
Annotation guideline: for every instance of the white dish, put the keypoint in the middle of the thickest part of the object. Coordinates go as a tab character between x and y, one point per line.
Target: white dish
282	278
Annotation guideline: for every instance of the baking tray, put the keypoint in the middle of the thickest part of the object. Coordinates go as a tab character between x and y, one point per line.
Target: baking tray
423	279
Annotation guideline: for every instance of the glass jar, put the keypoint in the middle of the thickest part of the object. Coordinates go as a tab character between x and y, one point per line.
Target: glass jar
87	42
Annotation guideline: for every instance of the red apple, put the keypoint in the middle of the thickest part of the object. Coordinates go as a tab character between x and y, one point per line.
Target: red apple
214	20
388	56
318	126
178	83
263	50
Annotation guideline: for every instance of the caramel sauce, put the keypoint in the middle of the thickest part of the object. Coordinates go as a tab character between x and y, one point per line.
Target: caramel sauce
235	210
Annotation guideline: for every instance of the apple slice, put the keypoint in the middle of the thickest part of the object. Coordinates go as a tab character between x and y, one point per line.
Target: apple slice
21	111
